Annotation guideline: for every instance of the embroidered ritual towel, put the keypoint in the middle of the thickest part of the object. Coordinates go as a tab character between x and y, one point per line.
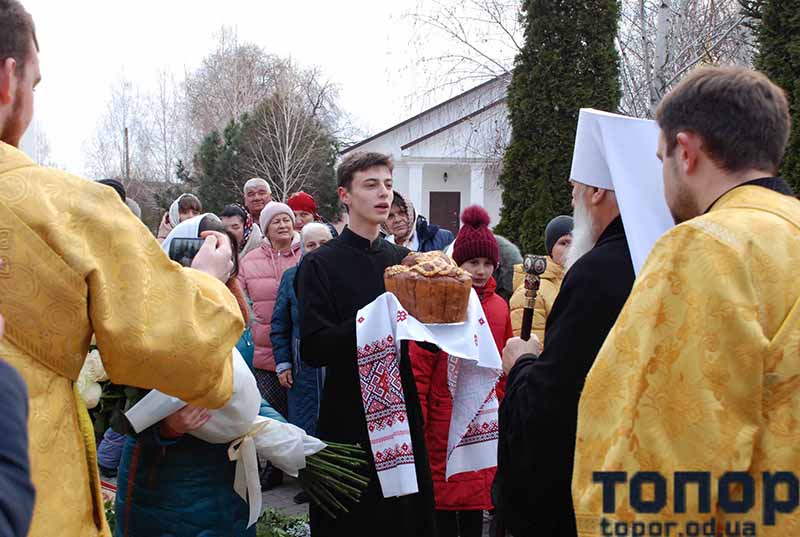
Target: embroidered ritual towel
473	369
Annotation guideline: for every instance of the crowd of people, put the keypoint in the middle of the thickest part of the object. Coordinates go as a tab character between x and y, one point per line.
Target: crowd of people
688	366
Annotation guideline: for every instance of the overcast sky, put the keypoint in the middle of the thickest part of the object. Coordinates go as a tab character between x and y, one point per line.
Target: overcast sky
362	45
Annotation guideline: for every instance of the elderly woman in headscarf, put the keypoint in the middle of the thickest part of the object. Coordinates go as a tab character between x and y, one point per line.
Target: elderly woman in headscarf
185	207
405	228
260	275
171	483
241	225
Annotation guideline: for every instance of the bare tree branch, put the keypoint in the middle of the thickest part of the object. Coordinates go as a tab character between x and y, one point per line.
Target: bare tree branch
290	144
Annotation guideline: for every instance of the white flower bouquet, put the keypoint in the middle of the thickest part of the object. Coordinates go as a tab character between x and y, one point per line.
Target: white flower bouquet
106	401
324	470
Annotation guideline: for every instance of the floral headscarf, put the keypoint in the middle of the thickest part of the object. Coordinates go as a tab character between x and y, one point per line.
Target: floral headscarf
248	226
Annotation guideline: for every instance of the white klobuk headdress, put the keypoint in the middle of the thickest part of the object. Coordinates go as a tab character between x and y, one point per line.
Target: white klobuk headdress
618	153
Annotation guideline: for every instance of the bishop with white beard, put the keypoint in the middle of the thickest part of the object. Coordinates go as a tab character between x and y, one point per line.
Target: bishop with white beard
538	416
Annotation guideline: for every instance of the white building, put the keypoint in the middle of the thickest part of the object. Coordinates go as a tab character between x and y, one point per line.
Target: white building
448	157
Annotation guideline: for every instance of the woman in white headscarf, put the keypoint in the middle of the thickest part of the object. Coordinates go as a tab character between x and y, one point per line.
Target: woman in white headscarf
172	483
185	207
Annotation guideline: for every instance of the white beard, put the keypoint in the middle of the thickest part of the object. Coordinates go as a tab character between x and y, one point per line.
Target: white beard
583	238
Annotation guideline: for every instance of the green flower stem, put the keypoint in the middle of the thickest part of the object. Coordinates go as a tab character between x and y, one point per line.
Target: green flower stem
343	473
319	502
329	478
355	449
344	459
330	498
339	485
325	496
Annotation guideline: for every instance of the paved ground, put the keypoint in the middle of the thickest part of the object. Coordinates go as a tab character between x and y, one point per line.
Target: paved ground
281	498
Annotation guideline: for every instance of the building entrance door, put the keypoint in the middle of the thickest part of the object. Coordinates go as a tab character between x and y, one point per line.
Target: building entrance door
444	210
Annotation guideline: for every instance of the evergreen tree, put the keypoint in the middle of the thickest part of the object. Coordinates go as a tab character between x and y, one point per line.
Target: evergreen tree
779	59
324	186
568	62
221	175
165	197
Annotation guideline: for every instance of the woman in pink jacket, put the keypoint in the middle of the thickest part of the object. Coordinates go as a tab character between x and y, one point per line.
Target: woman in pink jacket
260	274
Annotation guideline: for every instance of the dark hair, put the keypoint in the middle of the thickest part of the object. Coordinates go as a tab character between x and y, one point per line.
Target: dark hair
741	116
16	32
189	202
211	222
399	202
358	162
234	210
116	185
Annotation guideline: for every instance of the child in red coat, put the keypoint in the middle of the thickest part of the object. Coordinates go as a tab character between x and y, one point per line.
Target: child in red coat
460	501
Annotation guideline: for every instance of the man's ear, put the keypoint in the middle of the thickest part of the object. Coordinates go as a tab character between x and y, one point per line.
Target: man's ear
687	151
598	195
344	195
8	80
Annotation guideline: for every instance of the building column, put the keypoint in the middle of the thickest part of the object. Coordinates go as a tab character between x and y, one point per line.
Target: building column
477	184
415	185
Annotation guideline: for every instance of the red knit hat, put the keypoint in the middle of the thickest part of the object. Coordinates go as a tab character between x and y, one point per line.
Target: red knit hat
474	238
300	201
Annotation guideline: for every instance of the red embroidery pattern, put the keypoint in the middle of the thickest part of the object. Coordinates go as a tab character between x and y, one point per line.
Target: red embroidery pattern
481	321
475	339
384	402
401	316
360	320
381	386
394	456
478	432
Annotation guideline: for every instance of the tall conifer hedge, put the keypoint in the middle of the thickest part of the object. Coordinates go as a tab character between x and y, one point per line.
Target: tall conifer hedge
568	62
779	58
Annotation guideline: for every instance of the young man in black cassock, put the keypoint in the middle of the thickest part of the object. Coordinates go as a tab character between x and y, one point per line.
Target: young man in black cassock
333	283
539	413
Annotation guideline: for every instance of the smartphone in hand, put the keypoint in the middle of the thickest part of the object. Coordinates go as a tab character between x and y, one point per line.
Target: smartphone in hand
184	250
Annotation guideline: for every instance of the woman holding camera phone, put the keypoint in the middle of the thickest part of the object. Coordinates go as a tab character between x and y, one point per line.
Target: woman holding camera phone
171	483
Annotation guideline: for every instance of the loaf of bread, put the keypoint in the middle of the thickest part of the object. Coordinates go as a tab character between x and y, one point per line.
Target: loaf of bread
430	287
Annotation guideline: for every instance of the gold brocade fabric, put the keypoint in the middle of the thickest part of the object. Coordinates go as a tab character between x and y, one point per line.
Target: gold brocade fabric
701	371
549	287
76	262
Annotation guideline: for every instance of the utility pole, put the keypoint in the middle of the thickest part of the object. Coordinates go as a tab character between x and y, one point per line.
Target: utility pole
127	158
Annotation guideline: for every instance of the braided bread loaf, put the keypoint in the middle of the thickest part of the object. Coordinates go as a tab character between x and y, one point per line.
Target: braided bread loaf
430	287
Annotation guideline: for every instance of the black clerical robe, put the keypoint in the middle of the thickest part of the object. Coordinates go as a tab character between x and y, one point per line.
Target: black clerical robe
538	416
333	283
17	494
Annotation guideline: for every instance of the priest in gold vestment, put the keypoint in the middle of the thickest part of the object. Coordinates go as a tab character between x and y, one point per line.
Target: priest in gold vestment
76	261
701	372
